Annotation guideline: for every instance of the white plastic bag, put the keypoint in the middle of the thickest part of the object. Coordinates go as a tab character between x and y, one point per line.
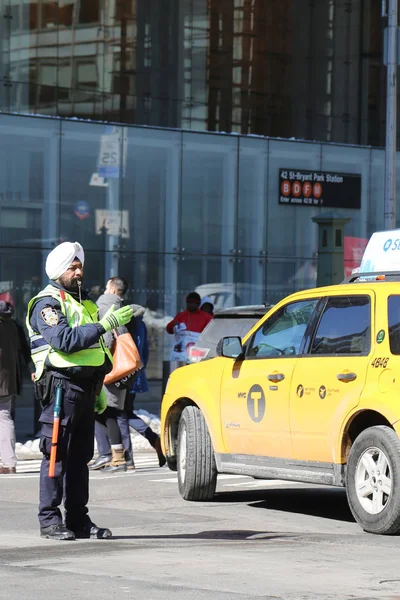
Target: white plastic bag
184	339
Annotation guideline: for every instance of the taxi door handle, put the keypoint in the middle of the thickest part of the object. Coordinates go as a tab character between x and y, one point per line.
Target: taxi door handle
276	377
346	377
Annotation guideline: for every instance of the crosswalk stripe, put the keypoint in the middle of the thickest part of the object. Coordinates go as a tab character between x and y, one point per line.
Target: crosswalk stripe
33	466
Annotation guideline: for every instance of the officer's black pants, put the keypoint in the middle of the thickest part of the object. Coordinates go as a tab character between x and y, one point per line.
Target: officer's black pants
74	451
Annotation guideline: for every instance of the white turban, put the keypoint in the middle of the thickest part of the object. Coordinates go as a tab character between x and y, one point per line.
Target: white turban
62	257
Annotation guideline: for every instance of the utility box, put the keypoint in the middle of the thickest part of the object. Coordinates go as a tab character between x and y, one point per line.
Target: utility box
330	268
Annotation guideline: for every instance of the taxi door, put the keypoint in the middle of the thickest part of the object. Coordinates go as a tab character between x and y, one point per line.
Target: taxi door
255	392
328	381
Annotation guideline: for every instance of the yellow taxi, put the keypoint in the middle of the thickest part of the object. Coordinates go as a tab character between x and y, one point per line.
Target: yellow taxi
310	394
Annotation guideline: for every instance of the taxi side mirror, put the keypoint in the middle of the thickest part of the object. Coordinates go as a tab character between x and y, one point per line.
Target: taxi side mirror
230	347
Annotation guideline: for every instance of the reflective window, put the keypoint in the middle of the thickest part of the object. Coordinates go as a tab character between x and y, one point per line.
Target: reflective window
150	188
211	64
208	187
394	323
89	11
344	327
232	325
86	74
283	332
90	204
53	15
29	159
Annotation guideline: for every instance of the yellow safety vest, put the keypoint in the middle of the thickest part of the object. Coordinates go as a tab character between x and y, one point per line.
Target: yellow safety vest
77	314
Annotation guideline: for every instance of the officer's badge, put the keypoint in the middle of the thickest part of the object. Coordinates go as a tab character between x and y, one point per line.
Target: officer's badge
50	316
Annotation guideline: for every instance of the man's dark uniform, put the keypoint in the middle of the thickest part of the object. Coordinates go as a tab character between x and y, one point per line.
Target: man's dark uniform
76	437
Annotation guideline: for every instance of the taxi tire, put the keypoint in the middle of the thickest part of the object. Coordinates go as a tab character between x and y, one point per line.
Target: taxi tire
200	480
387	522
171	462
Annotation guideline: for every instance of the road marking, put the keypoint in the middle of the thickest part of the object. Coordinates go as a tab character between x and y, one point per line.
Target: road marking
142	461
263	483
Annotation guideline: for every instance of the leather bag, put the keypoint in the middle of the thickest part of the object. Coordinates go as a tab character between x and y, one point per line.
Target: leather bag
126	358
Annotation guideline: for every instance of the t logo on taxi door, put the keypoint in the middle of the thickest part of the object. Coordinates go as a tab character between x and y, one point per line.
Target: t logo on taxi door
256	403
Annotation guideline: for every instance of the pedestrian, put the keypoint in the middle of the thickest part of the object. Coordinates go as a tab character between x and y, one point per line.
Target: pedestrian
24	361
192	318
69	354
10	385
187	326
115	460
139	384
207	305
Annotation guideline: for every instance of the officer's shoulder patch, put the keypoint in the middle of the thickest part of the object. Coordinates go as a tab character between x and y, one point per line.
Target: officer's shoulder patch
50	316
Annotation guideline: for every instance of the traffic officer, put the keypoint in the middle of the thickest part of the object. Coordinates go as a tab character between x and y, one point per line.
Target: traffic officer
67	349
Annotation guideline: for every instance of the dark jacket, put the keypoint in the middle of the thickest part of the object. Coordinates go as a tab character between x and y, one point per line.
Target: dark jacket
138	330
10	380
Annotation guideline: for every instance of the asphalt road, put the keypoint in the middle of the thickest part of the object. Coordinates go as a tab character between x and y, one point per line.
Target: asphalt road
258	539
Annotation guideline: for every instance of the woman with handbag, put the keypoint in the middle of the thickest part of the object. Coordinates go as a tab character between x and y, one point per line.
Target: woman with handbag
116	382
138	385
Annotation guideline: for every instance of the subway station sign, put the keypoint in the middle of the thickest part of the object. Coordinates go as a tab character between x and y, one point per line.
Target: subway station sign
319	188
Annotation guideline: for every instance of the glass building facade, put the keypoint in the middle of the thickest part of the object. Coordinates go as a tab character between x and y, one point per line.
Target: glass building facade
178	211
309	69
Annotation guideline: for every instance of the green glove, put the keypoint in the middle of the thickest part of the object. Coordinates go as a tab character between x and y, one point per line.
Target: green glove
116	318
100	403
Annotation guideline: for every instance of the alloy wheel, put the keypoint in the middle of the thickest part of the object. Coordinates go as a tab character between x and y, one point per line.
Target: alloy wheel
373	480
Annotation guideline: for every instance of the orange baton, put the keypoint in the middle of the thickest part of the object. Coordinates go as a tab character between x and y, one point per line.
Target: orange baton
56	429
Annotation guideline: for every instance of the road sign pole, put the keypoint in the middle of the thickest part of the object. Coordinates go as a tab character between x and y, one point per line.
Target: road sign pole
391	118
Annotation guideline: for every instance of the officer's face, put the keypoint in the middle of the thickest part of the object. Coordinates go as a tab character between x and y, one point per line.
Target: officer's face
69	279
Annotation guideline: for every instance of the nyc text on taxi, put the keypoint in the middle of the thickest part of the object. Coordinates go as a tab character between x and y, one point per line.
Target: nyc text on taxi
311	394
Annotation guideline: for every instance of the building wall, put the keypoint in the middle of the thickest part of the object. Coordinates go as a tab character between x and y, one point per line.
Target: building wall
286	68
181	210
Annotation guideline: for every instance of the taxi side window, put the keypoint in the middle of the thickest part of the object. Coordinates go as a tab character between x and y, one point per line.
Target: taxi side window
394	323
283	332
344	327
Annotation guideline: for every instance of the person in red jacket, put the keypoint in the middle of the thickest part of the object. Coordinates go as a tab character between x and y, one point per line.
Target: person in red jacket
194	318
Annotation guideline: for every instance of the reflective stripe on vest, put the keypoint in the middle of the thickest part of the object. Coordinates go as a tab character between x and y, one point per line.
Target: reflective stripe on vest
77	314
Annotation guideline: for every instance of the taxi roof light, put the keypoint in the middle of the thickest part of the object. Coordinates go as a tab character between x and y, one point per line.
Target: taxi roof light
381	259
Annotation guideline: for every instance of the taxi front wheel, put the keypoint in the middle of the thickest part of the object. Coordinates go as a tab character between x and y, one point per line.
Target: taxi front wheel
373	480
197	472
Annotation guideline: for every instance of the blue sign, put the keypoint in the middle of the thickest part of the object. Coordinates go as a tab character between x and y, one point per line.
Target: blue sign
387	245
391	244
108	171
82	210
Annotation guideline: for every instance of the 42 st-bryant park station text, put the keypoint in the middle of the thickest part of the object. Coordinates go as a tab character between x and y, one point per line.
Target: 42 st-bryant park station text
319	188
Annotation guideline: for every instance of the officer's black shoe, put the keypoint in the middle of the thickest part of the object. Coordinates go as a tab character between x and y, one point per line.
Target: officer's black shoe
56	532
91	531
101	462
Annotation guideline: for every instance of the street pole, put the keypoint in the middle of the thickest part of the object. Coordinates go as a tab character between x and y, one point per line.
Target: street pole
391	122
